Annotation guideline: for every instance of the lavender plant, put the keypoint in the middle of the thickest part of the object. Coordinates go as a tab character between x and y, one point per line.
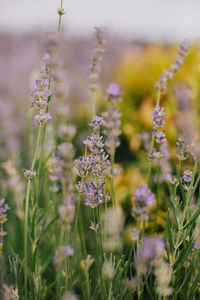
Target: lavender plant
77	243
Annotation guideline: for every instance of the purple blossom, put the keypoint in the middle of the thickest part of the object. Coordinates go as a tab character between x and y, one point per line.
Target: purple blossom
158	116
182	148
114	93
62	253
148	250
94	192
142	198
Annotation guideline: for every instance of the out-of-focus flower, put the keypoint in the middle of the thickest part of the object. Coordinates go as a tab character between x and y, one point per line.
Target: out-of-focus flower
114	93
29	174
69	296
113	223
62	253
181	148
97	55
108	269
148	250
163	273
142	198
9	293
175	66
41	119
3	218
86	263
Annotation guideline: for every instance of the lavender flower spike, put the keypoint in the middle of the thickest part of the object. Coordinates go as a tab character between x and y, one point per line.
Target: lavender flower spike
142	199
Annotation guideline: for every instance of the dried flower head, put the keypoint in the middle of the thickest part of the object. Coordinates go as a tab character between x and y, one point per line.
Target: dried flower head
86	263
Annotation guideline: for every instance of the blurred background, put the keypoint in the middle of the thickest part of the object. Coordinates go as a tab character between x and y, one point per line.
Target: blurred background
142	38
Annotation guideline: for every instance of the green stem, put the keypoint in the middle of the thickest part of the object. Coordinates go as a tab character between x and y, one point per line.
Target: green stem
60	17
26	216
157	196
112	159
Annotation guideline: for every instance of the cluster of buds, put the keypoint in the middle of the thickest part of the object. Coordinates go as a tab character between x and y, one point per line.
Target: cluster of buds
181	148
41	93
97	55
3	218
142	199
29	174
112	118
175	66
96	164
187	177
158	132
55	170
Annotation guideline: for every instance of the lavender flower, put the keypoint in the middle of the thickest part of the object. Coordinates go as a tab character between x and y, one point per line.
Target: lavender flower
3	218
142	198
114	93
97	55
94	193
41	119
158	117
62	253
187	175
148	250
112	130
41	93
175	66
182	148
29	174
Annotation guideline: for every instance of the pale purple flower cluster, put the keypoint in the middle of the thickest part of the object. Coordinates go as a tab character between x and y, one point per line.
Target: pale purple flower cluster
114	93
142	199
41	93
97	55
182	148
158	117
3	218
149	249
55	169
175	66
187	175
112	118
96	163
62	253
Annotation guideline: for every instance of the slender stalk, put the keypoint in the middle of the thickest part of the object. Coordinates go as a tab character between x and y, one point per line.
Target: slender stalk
26	215
94	103
60	17
112	159
157	196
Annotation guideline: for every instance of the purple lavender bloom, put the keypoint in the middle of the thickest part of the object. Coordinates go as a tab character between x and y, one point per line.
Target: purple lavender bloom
41	119
187	175
182	148
159	135
114	93
94	192
197	245
144	195
62	253
96	124
148	250
142	198
158	116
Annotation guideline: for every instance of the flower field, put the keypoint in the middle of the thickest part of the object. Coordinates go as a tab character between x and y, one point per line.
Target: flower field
99	168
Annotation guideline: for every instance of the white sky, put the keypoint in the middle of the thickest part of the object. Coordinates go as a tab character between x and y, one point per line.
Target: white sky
148	19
